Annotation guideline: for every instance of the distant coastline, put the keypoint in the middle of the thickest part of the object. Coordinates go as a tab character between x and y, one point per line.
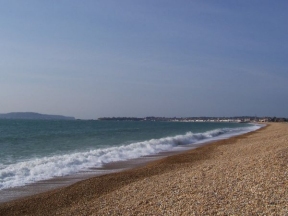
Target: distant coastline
241	119
34	116
237	119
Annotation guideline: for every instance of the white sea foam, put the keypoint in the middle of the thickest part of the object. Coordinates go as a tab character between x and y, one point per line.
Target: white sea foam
37	169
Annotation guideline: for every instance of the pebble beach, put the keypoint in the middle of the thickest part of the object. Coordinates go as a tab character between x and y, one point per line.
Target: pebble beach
242	175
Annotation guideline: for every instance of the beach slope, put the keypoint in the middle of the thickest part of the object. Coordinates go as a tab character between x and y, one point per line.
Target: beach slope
243	175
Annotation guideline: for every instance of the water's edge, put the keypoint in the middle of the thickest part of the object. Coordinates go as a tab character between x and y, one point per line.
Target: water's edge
57	182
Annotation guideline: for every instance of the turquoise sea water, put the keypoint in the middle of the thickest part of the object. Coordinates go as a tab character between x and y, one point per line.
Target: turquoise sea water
35	150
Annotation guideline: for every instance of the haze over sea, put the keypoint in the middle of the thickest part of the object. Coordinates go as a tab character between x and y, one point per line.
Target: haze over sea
36	150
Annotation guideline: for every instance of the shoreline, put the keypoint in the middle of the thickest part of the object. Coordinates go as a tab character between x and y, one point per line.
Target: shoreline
98	193
11	194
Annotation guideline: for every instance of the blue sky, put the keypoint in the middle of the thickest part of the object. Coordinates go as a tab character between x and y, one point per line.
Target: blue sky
92	59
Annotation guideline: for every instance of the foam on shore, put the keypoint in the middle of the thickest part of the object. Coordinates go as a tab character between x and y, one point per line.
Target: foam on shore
246	174
41	169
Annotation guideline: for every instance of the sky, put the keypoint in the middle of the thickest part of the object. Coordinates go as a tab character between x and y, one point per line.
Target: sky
106	58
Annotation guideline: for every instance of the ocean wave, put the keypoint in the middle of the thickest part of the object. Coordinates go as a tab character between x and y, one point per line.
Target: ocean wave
37	169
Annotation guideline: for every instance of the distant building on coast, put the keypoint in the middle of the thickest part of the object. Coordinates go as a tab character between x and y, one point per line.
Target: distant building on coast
243	119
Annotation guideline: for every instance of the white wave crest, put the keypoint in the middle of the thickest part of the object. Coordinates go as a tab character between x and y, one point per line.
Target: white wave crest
37	169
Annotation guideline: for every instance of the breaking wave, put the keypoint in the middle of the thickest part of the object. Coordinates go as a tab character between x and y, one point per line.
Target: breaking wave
37	169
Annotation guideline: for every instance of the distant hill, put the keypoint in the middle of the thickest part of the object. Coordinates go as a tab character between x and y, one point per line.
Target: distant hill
32	115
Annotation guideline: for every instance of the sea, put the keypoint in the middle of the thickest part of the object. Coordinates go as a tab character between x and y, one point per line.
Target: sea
35	151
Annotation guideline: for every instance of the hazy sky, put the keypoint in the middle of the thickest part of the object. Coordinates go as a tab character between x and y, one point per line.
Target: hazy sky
140	58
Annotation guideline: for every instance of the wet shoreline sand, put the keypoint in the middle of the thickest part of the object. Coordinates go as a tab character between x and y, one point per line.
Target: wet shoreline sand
242	175
16	193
